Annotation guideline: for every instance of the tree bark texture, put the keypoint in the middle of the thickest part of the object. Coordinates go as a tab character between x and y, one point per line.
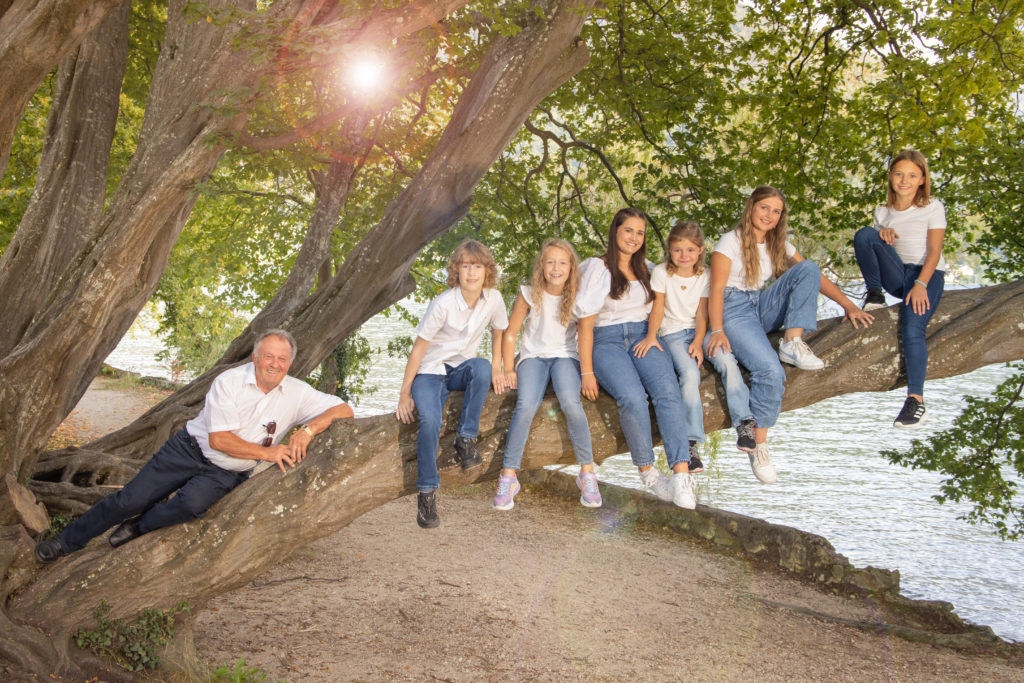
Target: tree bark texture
67	201
514	75
34	36
971	329
357	465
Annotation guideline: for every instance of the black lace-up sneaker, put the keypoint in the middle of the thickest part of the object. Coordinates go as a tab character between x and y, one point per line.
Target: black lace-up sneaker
426	510
695	463
912	414
875	298
745	435
466	450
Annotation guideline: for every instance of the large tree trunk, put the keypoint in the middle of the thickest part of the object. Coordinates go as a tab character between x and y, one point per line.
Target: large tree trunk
67	201
360	464
971	329
34	36
514	75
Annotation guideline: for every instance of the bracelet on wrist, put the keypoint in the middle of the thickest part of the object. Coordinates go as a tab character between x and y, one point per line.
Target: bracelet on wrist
923	284
585	373
714	331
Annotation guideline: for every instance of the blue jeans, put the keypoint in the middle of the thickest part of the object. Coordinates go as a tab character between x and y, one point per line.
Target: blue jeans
790	301
532	378
630	380
677	347
737	395
883	269
179	466
429	393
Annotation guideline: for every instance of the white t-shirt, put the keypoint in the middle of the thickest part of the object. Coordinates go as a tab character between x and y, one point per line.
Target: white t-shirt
454	330
682	297
236	404
595	297
544	335
729	245
912	226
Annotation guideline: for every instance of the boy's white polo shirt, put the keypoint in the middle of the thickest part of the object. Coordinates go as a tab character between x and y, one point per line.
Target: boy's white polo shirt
454	330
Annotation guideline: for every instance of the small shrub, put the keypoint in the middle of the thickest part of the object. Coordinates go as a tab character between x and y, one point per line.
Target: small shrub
240	673
132	646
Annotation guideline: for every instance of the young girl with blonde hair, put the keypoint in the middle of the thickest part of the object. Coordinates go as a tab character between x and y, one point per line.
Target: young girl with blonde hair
743	310
902	254
548	353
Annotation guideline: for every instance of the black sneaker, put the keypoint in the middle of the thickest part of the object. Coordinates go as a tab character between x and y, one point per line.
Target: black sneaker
875	298
695	464
912	414
466	450
426	510
745	435
49	550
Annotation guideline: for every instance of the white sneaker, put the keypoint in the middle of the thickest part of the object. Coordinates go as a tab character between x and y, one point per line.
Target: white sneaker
682	491
797	352
658	483
761	463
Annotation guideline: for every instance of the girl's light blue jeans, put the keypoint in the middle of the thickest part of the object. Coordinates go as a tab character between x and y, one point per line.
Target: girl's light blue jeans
630	380
533	375
790	301
429	393
677	346
737	395
883	269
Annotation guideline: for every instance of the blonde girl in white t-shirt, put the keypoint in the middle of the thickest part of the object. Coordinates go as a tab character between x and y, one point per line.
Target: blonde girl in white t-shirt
548	353
902	254
742	310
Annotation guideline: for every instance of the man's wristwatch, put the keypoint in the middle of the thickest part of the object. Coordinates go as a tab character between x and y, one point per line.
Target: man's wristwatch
306	429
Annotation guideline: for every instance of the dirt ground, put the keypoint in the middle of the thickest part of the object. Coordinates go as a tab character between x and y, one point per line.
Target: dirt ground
548	591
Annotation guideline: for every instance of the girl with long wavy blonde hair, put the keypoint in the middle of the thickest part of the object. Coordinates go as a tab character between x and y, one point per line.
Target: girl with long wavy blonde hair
548	353
742	310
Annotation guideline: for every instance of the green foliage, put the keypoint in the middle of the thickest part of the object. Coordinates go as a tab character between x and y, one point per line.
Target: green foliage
981	456
132	646
239	673
57	524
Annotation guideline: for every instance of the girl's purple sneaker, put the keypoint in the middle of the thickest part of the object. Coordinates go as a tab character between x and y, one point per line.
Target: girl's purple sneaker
591	495
508	487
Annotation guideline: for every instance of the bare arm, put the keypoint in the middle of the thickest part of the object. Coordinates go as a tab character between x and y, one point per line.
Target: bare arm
585	341
281	454
856	316
508	342
700	329
653	325
497	377
720	265
406	405
917	297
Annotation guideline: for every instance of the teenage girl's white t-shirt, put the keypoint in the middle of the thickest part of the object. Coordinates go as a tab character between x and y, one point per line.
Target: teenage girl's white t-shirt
595	297
912	226
682	297
544	335
729	245
454	330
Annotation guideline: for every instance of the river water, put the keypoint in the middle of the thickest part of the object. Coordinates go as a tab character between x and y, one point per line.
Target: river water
832	482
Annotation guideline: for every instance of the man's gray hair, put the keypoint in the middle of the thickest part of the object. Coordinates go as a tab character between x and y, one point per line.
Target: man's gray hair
283	334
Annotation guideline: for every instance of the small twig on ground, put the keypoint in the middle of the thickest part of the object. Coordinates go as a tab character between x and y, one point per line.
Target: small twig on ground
301	577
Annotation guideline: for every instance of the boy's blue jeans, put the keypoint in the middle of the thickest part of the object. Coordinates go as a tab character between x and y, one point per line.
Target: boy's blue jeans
630	380
748	315
532	378
883	269
429	393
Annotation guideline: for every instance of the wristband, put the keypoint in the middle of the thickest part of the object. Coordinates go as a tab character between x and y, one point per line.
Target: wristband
715	331
923	284
306	429
585	373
